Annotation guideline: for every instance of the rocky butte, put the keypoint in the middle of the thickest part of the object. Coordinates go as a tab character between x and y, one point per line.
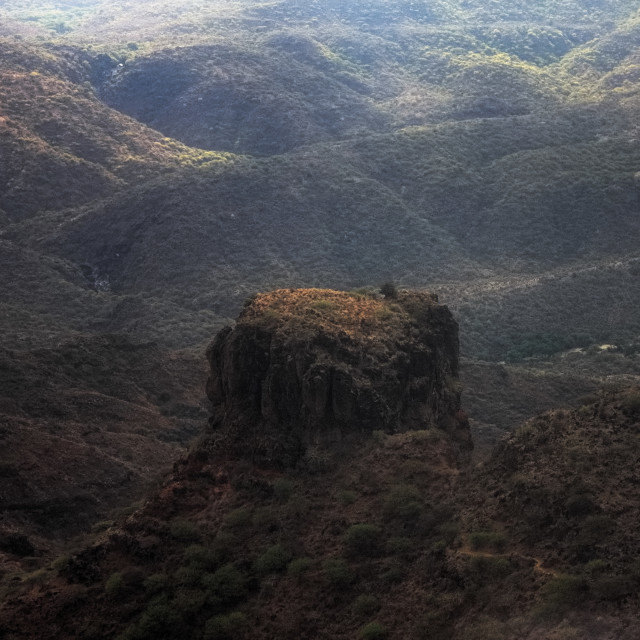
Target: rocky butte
366	384
308	367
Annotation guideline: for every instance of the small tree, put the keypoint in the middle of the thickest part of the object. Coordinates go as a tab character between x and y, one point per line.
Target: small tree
388	290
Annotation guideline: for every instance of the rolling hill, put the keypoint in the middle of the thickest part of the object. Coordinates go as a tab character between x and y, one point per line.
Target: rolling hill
160	164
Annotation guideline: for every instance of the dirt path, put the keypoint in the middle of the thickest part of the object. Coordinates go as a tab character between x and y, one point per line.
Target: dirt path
537	562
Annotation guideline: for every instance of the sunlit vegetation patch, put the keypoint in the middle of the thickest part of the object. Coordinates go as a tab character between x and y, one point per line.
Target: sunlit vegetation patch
58	17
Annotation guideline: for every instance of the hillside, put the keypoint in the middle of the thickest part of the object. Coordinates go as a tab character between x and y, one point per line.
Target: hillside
513	163
85	426
370	534
163	163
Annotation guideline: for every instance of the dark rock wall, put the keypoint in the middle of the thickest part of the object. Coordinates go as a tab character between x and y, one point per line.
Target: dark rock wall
278	385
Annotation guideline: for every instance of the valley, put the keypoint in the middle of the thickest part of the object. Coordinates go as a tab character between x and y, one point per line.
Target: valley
161	164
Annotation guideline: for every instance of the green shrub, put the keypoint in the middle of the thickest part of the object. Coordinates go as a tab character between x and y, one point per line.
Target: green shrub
373	631
156	583
159	620
222	546
631	402
403	502
323	305
595	567
389	290
226	585
184	531
188	575
346	497
273	560
365	605
488	540
400	546
226	627
595	529
394	572
266	518
611	587
561	593
579	505
115	585
199	557
449	531
61	563
411	469
363	539
491	568
282	489
298	567
384	314
338	573
189	600
238	518
101	526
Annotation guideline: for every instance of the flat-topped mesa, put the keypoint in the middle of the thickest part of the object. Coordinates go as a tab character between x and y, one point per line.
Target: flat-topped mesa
311	366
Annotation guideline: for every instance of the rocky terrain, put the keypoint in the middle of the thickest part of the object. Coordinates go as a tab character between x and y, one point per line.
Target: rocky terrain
325	364
86	426
160	165
363	533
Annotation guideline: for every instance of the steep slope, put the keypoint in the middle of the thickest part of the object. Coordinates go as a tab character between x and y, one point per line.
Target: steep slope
85	426
282	221
307	368
563	489
61	147
506	174
250	521
378	535
243	98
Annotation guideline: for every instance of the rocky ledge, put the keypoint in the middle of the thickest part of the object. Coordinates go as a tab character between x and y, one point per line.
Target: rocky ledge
305	367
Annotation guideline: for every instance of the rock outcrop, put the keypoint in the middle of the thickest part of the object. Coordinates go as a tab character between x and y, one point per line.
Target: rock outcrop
311	366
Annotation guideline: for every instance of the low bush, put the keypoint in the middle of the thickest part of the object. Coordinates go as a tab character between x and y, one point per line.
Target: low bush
156	583
561	593
298	567
200	557
188	575
238	518
400	546
189	600
580	504
491	568
494	540
273	560
363	539
612	587
373	631
158	620
365	605
282	489
346	497
226	627
338	573
227	585
403	502
184	531
115	585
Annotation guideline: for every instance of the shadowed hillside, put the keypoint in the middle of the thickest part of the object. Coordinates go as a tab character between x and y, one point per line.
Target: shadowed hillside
372	534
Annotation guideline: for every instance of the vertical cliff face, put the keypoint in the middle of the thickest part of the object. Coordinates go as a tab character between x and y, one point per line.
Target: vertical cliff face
306	367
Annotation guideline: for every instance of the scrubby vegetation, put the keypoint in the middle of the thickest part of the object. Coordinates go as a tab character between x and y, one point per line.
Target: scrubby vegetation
159	165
